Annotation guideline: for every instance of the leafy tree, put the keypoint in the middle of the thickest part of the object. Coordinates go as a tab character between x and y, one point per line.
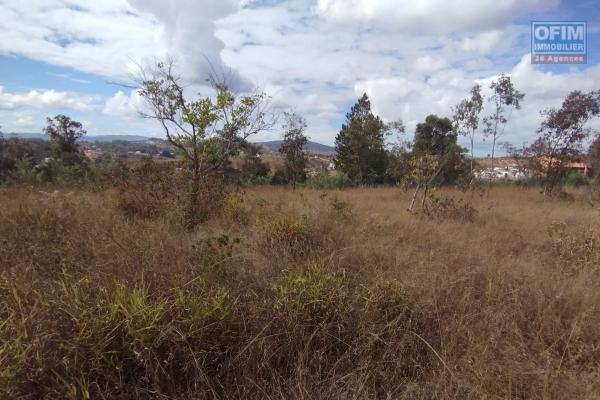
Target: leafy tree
360	144
466	117
561	136
207	130
436	137
292	147
64	134
397	164
504	95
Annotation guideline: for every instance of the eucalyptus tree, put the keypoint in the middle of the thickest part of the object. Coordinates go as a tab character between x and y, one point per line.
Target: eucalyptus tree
504	99
466	117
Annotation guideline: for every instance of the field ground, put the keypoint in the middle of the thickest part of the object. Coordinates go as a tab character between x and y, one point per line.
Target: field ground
308	294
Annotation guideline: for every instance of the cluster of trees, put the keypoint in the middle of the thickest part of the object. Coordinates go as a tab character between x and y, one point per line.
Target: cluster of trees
362	153
434	156
38	161
208	131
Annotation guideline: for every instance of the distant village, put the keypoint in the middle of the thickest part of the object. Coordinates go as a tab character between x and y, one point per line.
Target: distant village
504	168
510	169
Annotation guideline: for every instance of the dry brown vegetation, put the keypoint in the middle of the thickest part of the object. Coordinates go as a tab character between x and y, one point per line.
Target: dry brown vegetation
312	294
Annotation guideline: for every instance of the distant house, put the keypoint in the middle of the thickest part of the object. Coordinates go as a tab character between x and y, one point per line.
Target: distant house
507	172
576	166
92	154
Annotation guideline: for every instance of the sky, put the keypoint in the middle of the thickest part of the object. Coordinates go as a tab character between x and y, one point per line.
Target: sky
316	57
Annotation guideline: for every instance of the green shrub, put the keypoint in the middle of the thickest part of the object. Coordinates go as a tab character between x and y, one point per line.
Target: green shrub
110	172
279	178
123	342
25	173
213	255
577	179
235	209
530	181
329	180
59	173
313	292
289	233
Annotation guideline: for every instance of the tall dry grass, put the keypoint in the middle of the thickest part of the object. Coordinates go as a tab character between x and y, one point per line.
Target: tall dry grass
306	294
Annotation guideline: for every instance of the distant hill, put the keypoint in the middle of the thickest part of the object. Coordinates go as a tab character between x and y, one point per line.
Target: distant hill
112	138
311	147
23	135
99	138
271	146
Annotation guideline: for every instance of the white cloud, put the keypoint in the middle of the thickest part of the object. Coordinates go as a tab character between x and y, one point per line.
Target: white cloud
123	106
483	42
428	63
432	15
44	99
97	37
68	77
103	37
317	57
188	32
23	120
412	101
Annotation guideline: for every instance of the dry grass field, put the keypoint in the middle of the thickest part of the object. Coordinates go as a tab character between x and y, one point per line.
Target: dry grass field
306	295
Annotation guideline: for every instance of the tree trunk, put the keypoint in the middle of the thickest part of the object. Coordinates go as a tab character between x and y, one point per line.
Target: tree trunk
472	155
425	191
493	150
192	217
412	202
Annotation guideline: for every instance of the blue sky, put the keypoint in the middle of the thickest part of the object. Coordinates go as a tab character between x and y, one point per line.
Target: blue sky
316	57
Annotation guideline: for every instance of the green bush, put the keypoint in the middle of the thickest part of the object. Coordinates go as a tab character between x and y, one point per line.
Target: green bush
109	172
329	180
313	292
529	181
577	179
290	233
25	173
59	173
235	209
214	255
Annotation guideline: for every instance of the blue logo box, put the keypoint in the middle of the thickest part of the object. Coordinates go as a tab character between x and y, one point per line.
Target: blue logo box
558	42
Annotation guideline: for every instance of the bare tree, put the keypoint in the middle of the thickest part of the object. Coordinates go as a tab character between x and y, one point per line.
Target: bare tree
504	96
466	117
561	136
207	130
292	147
